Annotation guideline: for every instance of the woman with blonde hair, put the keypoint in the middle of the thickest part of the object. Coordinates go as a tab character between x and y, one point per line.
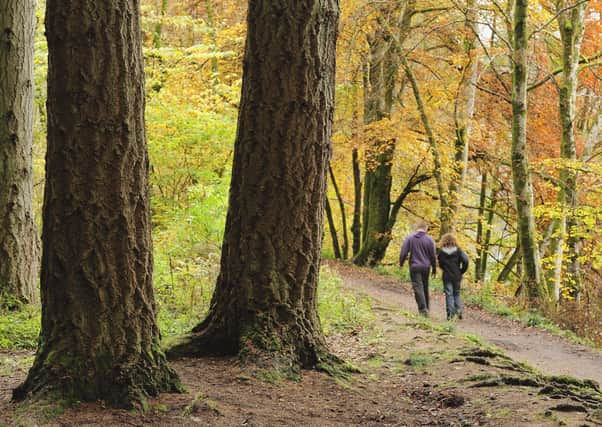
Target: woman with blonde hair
454	263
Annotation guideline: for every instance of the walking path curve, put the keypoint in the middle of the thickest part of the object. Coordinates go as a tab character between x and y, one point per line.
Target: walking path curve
549	353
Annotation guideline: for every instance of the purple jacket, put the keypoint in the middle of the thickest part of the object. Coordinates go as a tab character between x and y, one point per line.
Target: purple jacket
421	248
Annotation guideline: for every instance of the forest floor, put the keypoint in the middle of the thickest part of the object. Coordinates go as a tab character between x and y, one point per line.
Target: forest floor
415	372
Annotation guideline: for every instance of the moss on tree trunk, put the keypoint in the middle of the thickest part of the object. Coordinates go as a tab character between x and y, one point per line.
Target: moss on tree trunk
99	337
572	25
523	191
265	303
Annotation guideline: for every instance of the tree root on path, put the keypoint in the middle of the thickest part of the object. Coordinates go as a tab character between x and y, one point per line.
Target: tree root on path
586	393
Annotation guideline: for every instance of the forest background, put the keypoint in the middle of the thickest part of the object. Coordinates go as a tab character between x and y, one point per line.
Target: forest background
423	129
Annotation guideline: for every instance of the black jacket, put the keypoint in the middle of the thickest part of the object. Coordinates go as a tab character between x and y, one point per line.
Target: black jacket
453	262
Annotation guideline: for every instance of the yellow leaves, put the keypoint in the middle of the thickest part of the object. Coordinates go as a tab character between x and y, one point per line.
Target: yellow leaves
380	130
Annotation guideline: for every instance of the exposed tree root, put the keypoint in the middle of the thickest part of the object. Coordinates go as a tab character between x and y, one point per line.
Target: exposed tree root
283	354
125	387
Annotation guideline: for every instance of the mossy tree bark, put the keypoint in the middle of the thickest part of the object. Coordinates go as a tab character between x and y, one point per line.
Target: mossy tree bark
378	101
264	307
379	87
571	22
19	248
99	337
523	191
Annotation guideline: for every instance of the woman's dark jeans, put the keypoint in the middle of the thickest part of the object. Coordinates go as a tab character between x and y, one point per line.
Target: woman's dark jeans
453	304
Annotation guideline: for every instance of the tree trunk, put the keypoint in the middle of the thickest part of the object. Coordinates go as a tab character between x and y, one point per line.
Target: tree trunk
99	337
333	230
379	86
19	249
523	191
345	249
572	24
479	236
159	26
445	215
464	111
379	156
265	307
510	264
356	227
487	240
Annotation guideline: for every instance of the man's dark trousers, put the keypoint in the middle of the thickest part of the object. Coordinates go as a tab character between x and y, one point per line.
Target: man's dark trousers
420	284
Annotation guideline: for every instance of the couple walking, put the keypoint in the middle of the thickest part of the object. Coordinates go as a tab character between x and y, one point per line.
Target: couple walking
423	260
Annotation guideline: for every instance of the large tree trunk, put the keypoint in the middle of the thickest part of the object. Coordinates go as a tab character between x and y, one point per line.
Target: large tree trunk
265	307
523	191
19	249
572	24
99	337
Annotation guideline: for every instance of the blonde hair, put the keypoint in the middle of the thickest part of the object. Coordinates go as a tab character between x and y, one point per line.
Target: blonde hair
448	241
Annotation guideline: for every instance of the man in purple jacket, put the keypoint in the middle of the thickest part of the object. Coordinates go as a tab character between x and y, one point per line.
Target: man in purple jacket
421	248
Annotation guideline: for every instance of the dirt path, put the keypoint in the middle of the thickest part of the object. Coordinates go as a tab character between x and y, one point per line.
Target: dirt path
412	373
551	354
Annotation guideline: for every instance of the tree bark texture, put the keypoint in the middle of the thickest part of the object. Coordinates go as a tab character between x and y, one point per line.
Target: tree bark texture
265	307
572	25
379	87
99	337
378	94
19	248
523	191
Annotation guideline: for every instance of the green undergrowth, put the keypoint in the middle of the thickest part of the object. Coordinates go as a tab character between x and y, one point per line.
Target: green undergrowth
19	329
34	412
341	311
